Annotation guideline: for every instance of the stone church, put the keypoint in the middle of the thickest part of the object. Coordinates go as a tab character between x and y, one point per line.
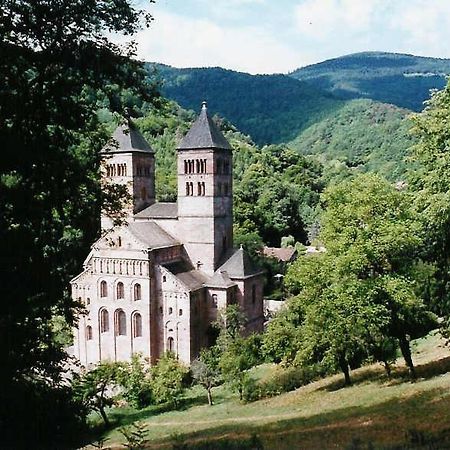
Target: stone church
156	282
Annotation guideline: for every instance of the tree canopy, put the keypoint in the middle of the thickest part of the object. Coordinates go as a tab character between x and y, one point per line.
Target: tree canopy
55	64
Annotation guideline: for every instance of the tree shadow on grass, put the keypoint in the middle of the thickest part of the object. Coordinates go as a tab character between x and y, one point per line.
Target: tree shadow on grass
399	374
398	424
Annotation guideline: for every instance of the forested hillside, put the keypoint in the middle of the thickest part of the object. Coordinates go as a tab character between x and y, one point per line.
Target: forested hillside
362	136
404	80
269	108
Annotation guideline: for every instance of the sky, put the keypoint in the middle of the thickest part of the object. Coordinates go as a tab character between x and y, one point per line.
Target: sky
278	36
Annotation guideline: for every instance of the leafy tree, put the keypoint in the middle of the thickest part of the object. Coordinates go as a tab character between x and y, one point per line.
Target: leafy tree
230	322
431	182
94	388
282	339
237	354
372	232
206	372
135	379
54	62
234	366
167	380
363	288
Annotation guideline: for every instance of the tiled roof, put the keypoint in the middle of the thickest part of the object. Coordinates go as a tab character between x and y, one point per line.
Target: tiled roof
239	265
192	279
151	234
159	211
282	254
220	279
204	133
126	138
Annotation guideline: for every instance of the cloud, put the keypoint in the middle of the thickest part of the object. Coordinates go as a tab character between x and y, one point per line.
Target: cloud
192	42
425	26
324	18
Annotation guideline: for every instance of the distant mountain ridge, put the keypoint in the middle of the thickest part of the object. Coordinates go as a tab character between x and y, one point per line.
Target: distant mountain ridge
400	79
277	108
269	108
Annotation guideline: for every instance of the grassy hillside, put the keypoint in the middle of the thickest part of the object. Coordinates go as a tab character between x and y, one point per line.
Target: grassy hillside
269	108
362	136
374	411
404	80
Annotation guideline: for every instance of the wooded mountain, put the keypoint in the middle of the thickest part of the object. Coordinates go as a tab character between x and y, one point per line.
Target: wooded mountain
403	80
362	136
277	108
269	108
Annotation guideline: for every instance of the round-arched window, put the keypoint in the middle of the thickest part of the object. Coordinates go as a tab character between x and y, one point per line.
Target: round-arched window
120	290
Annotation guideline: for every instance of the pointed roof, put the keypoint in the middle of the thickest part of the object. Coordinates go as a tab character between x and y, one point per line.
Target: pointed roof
204	133
127	138
239	265
220	279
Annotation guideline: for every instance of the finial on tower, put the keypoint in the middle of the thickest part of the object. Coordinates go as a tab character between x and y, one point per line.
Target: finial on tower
204	105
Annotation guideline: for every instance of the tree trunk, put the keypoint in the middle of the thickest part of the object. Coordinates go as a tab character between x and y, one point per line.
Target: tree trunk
387	368
102	412
406	352
343	364
210	400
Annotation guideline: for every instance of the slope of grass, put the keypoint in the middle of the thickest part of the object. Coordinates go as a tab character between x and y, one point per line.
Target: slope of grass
386	413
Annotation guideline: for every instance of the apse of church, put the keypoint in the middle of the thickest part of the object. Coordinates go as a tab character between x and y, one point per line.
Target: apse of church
156	282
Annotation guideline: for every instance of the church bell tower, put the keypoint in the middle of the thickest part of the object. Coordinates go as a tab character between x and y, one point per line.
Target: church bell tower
129	160
205	200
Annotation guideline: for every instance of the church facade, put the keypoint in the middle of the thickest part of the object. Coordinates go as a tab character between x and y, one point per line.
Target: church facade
156	282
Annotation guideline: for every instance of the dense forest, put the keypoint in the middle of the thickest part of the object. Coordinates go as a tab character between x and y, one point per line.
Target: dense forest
362	136
403	80
270	108
277	108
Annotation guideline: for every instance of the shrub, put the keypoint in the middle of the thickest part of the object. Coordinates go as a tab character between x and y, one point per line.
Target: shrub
136	382
284	380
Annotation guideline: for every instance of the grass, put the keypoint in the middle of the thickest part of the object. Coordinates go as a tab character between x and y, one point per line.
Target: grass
385	413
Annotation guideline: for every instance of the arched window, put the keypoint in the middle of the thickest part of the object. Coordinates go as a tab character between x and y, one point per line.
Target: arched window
214	300
198	166
180	312
120	290
120	323
137	291
137	325
89	333
164	279
103	289
199	188
170	345
170	310
104	321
